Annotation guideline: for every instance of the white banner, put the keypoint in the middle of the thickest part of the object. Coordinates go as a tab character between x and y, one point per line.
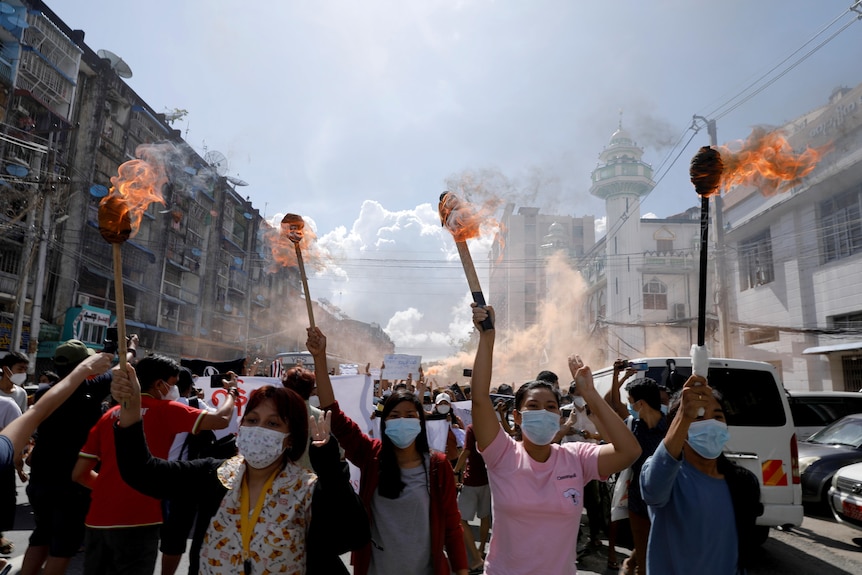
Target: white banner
354	393
438	432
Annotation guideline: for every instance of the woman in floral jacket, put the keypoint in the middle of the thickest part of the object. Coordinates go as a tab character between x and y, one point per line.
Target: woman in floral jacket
260	512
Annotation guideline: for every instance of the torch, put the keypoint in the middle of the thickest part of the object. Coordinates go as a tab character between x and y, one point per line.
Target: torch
292	225
115	225
456	216
705	171
137	184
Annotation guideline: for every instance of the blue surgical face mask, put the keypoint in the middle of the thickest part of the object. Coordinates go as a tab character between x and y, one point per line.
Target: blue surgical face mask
634	412
540	425
664	409
403	431
708	437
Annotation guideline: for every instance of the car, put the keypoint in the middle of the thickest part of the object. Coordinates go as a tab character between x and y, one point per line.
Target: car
845	495
814	410
821	455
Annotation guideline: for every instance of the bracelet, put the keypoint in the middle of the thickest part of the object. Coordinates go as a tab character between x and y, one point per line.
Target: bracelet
233	392
133	351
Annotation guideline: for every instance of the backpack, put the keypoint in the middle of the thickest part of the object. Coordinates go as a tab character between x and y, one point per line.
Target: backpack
206	444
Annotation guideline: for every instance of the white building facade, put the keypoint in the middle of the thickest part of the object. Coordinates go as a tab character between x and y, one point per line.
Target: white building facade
795	258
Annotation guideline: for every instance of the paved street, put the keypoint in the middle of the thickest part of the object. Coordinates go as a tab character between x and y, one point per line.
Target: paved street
589	565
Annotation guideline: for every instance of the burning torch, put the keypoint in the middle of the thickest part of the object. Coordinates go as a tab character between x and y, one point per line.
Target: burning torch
457	217
705	171
137	184
767	161
292	226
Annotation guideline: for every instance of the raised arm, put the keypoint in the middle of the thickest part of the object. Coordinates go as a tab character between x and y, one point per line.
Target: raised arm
677	432
316	344
358	447
221	418
485	425
622	448
150	475
20	430
613	395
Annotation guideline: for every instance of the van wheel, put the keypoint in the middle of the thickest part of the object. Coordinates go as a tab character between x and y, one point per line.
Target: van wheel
761	534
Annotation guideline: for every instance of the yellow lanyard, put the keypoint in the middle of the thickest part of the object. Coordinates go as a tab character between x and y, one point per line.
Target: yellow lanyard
246	522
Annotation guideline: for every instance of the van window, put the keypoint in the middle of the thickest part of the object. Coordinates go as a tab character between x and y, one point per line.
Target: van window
751	396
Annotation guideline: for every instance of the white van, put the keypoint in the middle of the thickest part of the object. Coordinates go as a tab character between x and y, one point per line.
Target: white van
762	433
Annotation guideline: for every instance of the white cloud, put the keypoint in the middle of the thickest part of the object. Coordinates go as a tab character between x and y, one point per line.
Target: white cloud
401	269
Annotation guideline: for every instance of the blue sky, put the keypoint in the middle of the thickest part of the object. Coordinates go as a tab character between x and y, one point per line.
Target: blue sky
356	114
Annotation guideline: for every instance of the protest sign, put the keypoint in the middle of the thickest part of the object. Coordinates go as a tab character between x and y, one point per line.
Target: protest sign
400	365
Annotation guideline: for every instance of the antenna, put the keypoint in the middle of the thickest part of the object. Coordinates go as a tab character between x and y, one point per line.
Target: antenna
117	64
236	181
217	161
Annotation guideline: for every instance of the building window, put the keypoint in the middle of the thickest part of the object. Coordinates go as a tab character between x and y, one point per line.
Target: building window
664	246
755	261
841	225
757	335
852	367
655	295
851	322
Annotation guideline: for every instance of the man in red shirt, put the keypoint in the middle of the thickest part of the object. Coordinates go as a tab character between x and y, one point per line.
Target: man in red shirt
122	524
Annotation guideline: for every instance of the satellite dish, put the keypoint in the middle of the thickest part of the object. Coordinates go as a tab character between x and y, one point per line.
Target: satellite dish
117	64
98	191
217	161
236	181
190	171
247	216
16	170
6	8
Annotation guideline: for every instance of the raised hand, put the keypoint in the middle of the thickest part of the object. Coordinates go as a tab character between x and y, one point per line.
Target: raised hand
318	430
316	342
582	375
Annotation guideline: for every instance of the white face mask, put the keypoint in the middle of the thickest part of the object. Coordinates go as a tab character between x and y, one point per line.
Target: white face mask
173	394
259	446
18	378
443	408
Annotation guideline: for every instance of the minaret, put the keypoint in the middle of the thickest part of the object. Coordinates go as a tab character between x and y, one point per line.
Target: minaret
622	180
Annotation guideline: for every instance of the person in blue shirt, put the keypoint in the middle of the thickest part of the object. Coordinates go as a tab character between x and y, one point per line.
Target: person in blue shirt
703	507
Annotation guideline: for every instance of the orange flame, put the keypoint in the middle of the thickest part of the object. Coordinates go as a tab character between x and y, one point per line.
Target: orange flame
767	161
463	220
138	184
283	248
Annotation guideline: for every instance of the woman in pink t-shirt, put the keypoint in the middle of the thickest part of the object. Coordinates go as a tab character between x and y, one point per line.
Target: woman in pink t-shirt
537	486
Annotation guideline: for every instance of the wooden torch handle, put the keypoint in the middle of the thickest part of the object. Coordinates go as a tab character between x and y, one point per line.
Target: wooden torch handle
304	284
119	296
473	281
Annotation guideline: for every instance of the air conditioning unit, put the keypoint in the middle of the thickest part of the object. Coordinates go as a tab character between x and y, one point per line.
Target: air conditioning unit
679	311
83	299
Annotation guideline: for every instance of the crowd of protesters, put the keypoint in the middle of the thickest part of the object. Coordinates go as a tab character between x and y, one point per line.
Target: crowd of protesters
126	462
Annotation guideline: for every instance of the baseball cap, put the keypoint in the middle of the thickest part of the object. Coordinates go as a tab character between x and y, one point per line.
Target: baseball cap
441	398
72	353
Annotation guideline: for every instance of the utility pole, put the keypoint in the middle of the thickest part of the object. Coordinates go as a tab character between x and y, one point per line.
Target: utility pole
44	234
24	267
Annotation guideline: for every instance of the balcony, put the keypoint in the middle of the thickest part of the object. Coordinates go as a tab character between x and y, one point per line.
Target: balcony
675	260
